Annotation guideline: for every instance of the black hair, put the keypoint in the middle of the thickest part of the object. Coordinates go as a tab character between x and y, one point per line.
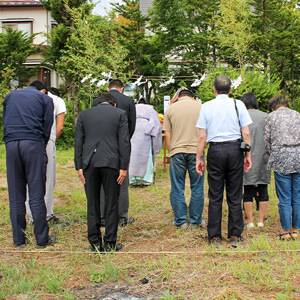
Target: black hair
107	97
187	93
54	91
142	101
222	84
39	85
277	101
250	100
115	83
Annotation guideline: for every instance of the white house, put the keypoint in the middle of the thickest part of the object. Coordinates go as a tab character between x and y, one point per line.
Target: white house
31	17
144	6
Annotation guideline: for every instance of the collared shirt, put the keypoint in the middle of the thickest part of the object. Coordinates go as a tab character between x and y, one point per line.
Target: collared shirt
180	119
282	140
220	120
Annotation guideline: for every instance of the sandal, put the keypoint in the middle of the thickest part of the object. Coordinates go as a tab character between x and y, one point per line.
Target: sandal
294	235
281	236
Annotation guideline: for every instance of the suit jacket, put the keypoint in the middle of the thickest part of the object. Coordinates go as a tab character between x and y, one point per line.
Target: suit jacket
127	104
102	131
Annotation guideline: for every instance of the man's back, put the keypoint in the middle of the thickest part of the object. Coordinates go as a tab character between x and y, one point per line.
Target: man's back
219	118
221	123
27	115
105	133
181	138
181	119
27	118
127	104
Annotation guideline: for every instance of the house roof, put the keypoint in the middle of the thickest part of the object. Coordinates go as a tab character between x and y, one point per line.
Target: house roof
20	3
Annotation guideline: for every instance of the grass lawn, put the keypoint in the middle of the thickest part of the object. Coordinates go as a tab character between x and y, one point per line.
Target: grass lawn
158	261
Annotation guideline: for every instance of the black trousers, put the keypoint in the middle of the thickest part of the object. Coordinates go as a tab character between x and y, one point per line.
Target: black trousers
108	178
225	168
123	201
26	162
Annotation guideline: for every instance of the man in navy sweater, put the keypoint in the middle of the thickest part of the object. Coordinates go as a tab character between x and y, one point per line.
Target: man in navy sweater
27	120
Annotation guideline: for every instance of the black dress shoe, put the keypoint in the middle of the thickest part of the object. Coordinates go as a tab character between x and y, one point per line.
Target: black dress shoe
216	242
97	247
124	222
53	219
21	246
113	248
234	241
51	241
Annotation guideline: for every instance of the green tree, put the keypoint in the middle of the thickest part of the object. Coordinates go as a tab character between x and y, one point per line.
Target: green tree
61	10
57	38
277	28
144	56
235	30
132	34
92	48
15	47
264	86
186	30
61	13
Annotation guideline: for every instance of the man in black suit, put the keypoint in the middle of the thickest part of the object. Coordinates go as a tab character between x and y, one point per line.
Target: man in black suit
116	88
102	152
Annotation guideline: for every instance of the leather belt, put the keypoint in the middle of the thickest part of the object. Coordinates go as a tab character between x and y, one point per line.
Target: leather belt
225	142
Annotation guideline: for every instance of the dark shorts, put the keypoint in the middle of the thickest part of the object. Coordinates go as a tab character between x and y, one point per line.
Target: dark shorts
260	191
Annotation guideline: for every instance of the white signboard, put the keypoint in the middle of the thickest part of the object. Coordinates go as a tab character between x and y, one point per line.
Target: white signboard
166	103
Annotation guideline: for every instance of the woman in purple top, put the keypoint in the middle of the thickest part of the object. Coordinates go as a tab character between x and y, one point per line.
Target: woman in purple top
282	141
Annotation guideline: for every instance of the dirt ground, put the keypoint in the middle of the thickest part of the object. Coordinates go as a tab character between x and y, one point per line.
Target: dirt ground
158	260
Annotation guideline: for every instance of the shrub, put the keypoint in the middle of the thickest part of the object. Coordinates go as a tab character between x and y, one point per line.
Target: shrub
66	140
263	86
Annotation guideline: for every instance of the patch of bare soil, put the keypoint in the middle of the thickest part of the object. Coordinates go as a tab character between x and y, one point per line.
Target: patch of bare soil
120	291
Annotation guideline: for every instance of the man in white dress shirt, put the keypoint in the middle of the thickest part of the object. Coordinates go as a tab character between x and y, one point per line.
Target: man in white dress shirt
223	122
56	130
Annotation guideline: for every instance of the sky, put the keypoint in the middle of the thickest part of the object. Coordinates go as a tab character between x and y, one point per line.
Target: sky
103	6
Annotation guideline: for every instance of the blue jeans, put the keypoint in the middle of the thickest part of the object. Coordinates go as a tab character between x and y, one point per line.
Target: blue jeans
288	193
179	164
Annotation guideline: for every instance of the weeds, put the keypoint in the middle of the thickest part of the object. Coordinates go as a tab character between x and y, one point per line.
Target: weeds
108	271
263	267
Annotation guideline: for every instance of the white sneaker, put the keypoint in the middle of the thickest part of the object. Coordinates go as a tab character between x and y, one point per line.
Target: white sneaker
249	225
260	224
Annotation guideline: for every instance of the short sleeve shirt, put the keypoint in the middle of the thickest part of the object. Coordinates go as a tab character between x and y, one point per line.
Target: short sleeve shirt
219	118
59	108
180	119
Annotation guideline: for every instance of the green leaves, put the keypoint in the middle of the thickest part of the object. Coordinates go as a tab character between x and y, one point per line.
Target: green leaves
15	47
264	86
235	34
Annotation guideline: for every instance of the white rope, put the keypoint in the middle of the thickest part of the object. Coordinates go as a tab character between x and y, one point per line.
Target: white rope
148	252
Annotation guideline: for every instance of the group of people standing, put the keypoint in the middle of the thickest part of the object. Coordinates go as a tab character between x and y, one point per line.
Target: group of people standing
244	146
116	136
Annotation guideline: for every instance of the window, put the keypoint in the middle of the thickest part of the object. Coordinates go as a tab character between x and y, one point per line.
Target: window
22	26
